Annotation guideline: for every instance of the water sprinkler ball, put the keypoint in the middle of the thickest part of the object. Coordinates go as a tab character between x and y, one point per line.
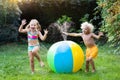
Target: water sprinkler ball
65	57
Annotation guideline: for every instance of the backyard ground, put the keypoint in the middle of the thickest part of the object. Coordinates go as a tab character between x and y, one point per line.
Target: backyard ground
14	65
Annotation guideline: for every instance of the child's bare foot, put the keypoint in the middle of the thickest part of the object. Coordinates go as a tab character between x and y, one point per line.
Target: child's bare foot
42	64
86	71
32	73
93	71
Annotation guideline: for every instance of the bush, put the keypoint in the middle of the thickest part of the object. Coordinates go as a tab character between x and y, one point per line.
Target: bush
110	10
9	16
8	33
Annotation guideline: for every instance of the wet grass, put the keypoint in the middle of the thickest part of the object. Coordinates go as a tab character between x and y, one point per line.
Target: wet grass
14	65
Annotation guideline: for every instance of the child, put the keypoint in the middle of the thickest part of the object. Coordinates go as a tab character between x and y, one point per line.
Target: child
88	38
33	32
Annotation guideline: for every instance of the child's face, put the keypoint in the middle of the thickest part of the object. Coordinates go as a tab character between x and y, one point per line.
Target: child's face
86	30
33	25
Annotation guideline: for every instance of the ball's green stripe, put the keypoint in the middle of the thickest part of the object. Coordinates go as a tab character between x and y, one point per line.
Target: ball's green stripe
50	56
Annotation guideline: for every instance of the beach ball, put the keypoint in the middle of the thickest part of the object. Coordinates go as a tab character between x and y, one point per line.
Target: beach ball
65	57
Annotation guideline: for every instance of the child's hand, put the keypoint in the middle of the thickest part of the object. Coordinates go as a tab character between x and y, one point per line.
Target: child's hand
46	31
65	33
23	22
101	33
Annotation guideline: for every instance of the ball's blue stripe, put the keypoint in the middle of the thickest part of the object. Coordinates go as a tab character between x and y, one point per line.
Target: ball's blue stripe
63	59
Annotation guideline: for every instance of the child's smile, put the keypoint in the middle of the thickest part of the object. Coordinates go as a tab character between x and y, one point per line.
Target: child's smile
33	26
86	30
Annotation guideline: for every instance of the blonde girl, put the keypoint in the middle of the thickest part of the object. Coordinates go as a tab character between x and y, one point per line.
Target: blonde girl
33	30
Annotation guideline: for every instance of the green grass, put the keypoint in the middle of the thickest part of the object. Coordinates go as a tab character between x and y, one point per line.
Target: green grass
14	65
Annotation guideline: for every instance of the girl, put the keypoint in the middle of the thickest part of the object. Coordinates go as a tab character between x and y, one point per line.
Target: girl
33	32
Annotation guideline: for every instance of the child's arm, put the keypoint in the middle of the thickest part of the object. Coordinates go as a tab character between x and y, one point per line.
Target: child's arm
43	37
72	34
97	36
21	27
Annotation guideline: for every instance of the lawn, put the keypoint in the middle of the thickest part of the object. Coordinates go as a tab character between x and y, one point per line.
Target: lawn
14	65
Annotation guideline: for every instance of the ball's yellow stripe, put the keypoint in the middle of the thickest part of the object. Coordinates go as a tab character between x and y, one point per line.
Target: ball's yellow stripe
78	56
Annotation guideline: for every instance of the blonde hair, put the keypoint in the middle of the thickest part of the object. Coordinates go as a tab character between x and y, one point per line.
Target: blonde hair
35	21
86	24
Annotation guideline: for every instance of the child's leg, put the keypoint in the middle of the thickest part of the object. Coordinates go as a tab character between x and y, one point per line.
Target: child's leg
31	59
40	61
35	51
87	65
92	64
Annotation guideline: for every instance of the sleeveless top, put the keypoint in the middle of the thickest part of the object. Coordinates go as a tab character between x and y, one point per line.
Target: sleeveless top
32	37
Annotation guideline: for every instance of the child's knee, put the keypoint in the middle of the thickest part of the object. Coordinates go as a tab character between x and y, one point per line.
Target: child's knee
34	52
87	59
31	60
90	58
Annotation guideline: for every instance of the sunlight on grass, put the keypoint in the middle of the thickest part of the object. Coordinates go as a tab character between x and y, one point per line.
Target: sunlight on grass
14	65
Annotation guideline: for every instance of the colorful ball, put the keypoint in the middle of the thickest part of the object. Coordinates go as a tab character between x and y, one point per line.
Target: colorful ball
65	57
